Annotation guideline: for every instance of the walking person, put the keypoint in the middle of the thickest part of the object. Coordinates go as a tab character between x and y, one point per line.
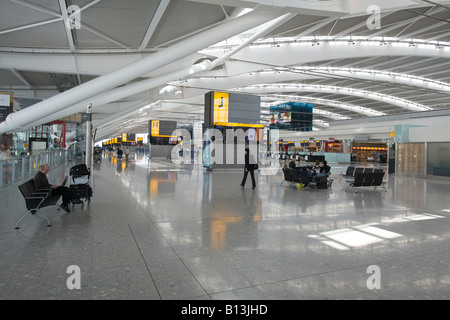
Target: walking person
249	167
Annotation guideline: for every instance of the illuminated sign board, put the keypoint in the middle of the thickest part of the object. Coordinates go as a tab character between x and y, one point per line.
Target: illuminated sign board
155	127
220	107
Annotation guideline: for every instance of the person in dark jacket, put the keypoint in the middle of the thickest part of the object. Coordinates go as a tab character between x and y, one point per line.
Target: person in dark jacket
249	167
325	168
41	182
119	153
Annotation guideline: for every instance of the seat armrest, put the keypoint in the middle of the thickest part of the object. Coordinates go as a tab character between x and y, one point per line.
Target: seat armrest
29	198
39	193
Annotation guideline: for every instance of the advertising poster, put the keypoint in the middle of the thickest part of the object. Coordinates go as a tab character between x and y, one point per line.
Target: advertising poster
280	117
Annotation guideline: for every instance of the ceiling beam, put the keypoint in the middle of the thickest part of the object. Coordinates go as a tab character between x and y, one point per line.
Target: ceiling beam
37	7
65	15
399	24
360	25
22	78
31	25
154	23
19	120
422	30
104	35
317	26
282	88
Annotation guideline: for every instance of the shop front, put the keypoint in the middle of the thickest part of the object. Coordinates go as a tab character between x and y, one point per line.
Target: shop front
369	152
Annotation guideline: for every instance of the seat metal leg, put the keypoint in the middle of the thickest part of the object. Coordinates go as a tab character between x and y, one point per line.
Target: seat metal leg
29	214
25	216
43	218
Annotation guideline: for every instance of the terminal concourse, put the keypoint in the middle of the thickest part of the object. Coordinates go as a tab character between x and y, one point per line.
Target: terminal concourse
155	230
140	112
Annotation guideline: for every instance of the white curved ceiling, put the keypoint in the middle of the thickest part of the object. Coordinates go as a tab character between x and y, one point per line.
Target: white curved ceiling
321	45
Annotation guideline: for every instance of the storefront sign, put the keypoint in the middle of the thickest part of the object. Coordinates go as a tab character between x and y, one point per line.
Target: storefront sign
362	137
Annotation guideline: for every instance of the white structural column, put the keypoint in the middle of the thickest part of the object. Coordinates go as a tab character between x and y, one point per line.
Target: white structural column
18	120
88	159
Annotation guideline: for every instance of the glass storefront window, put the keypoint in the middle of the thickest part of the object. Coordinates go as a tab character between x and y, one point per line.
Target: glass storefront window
438	159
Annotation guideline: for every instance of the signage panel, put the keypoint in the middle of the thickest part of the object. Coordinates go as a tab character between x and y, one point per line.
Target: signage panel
155	128
221	106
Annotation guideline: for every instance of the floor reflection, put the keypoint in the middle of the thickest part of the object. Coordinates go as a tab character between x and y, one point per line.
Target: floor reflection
161	181
183	228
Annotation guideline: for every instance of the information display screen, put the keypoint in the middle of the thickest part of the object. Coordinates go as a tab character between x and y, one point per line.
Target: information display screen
280	117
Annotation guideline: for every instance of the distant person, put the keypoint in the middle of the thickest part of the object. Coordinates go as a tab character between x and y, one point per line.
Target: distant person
249	167
316	165
119	153
292	164
325	168
308	171
41	182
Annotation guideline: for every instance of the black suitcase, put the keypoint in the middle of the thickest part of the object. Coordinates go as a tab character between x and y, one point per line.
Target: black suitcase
79	192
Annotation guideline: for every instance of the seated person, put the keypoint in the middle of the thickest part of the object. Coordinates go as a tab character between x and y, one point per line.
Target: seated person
309	172
41	182
324	170
292	164
317	164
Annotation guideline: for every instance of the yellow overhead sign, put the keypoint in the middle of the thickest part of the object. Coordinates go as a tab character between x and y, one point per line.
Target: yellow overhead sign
155	128
221	106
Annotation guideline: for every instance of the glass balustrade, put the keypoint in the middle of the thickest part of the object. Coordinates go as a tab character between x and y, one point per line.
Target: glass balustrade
16	169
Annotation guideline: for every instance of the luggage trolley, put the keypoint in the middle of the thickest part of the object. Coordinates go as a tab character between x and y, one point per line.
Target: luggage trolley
79	185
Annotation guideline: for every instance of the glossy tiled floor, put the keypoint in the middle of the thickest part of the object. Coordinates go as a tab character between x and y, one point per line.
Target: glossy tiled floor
158	231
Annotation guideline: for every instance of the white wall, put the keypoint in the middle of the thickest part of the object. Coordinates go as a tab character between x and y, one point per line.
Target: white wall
434	128
339	134
430	134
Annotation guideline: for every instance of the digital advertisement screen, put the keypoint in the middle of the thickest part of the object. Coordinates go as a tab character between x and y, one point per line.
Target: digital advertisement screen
280	117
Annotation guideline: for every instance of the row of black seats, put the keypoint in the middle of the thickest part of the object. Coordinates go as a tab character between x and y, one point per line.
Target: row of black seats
366	179
36	199
352	171
301	176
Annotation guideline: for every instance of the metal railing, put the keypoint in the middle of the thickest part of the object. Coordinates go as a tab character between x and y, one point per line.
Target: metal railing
20	168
